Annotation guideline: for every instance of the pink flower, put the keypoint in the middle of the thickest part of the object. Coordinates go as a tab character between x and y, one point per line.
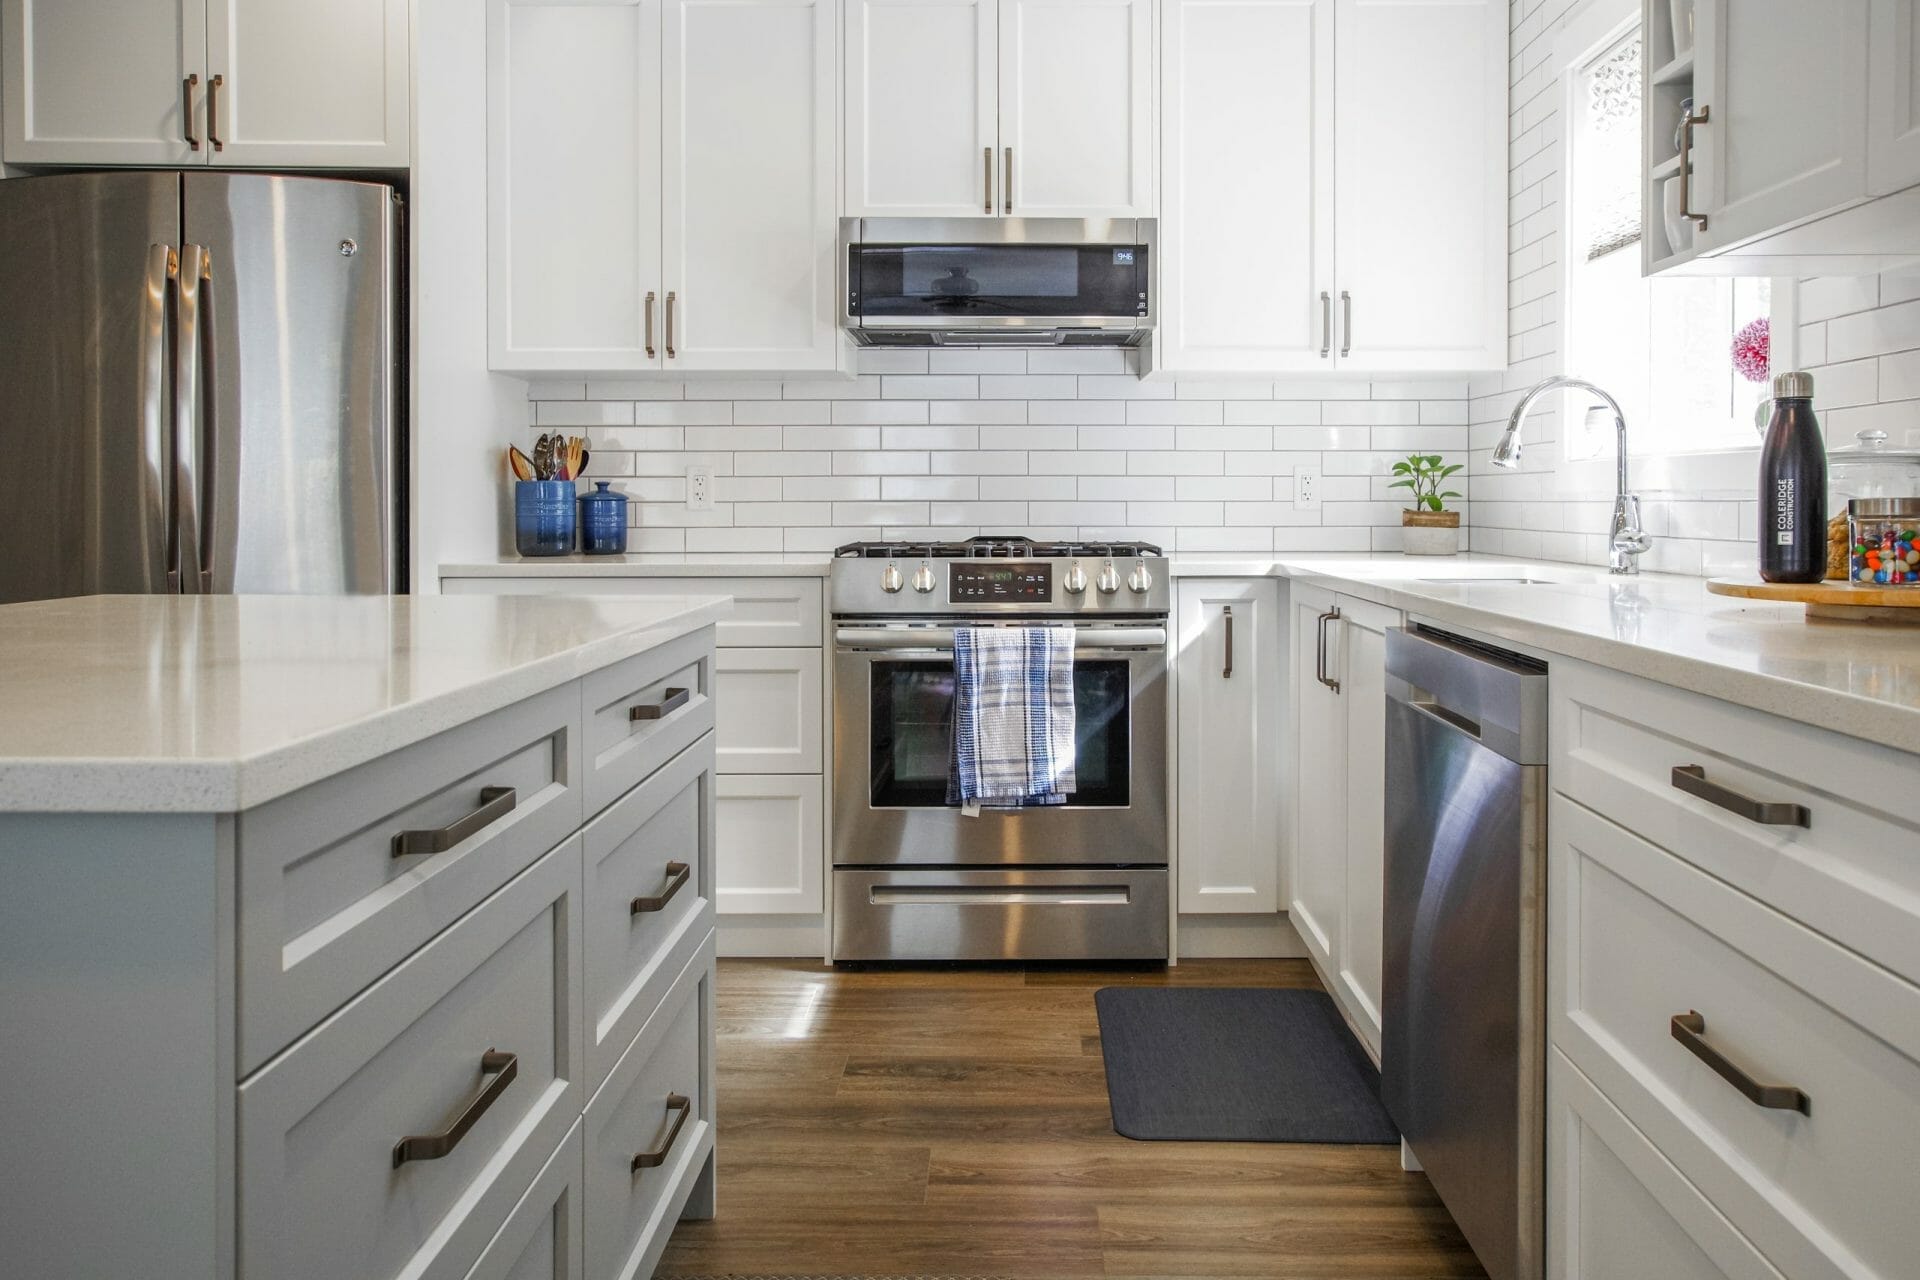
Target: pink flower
1752	350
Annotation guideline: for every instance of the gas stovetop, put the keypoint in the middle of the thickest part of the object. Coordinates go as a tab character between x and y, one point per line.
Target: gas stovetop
998	575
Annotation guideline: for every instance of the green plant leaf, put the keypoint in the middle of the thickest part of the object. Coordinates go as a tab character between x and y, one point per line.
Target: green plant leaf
1401	484
1447	471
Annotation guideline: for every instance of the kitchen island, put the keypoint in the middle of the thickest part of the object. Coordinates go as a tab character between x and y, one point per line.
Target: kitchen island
355	936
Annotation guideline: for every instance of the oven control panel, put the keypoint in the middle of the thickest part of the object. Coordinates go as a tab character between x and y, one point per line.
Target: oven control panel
986	581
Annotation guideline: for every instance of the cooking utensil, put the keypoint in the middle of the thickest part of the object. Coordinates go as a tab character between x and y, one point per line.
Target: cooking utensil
543	457
576	456
521	465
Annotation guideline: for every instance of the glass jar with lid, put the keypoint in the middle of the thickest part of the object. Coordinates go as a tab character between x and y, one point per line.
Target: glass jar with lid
1869	468
1885	536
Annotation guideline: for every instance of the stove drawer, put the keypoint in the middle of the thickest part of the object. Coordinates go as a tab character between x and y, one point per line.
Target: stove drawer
1000	915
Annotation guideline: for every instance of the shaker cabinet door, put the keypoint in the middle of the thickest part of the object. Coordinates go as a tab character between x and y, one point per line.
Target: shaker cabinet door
922	83
1893	105
104	82
1318	884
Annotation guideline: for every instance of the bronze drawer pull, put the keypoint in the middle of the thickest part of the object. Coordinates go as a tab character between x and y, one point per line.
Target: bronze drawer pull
1690	1030
495	804
213	113
1320	651
431	1146
187	87
678	873
1226	671
1692	779
675	699
654	1159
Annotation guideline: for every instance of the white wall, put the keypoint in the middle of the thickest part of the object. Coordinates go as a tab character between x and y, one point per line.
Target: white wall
1051	444
462	416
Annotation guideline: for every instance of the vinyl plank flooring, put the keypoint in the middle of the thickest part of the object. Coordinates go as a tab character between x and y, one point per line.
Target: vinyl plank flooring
953	1121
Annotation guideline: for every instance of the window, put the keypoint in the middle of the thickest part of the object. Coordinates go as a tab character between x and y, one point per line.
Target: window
1663	347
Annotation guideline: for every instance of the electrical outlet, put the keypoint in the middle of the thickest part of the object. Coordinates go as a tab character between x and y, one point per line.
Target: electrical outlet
699	488
1306	488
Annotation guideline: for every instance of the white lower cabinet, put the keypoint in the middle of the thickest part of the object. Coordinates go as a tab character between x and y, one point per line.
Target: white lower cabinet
541	1239
771	710
1230	685
772	840
1338	682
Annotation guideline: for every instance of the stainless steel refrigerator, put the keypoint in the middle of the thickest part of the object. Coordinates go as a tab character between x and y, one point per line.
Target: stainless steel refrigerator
200	385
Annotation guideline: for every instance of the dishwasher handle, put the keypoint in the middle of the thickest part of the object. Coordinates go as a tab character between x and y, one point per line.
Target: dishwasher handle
1496	698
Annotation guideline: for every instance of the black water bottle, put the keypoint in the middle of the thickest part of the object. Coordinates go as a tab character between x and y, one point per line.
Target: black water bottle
1793	486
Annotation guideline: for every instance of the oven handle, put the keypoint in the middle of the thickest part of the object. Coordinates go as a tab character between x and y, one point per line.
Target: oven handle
940	639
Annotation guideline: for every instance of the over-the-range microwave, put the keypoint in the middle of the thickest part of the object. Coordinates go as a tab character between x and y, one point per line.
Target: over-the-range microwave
999	282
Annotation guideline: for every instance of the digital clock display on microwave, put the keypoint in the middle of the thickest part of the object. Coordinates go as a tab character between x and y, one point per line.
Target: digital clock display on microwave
972	582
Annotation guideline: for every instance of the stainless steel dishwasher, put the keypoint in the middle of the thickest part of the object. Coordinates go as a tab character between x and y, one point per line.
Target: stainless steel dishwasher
1463	1035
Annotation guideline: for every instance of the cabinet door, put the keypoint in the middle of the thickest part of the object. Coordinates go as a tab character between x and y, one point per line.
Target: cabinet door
922	80
770	709
573	203
1076	108
1893	87
104	82
1363	688
1319	880
771	857
1231	690
1420	185
1784	83
747	178
1246	214
308	84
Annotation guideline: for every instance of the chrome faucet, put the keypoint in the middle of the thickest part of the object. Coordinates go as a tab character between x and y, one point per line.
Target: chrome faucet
1627	539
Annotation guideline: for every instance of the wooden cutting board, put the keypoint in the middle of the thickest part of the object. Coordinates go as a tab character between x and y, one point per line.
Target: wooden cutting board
1840	600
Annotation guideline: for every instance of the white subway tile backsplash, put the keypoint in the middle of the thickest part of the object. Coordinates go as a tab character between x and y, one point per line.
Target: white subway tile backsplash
1176	412
1229	489
929	437
879	412
874	462
976	361
1127	437
1128	488
984	462
1079	413
1020	386
1231	438
944	488
980	412
830	488
581	413
930	387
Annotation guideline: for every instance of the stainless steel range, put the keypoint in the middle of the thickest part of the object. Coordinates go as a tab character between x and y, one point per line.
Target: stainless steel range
916	879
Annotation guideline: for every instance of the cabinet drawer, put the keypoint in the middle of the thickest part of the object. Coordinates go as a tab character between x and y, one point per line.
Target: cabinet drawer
770	710
649	1129
1640	936
1853	872
770	844
766	611
541	1238
643	712
328	904
643	920
329	1187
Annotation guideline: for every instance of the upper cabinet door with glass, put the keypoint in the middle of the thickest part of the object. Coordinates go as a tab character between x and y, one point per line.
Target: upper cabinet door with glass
977	108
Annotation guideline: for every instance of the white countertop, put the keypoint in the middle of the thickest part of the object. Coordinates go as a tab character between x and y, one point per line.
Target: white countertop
1861	679
212	704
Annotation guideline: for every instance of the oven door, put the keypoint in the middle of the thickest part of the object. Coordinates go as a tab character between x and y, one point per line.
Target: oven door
893	742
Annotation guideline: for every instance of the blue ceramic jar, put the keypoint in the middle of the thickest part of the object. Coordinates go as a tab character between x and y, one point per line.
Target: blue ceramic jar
603	521
543	517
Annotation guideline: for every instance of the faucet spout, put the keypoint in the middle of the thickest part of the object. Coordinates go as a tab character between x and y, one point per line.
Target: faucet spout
1627	538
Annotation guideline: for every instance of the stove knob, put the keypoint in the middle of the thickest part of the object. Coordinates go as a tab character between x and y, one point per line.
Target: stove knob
891	581
923	578
1109	580
1140	579
1076	579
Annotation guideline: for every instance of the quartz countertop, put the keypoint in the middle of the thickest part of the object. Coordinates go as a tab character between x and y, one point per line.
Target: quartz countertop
652	564
213	704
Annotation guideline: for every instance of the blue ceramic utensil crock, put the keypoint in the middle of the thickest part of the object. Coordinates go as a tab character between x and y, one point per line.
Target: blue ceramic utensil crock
543	517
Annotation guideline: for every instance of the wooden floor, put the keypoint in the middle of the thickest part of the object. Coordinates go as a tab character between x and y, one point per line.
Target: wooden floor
954	1122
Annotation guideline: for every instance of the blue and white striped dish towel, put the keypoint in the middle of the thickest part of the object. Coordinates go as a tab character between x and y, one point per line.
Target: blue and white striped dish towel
1013	717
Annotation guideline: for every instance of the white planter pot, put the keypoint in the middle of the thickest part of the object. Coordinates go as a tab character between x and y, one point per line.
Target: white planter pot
1418	541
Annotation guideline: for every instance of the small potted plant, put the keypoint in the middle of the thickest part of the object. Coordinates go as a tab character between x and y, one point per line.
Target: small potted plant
1427	528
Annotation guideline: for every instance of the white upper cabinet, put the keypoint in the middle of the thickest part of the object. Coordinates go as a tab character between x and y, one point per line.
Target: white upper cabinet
1231	688
1893	107
1028	108
661	186
1246	241
922	94
66	104
748	162
263	83
1076	108
308	84
1336	186
1420	185
573	158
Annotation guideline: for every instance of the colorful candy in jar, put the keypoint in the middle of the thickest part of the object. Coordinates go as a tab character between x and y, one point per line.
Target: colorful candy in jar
1885	541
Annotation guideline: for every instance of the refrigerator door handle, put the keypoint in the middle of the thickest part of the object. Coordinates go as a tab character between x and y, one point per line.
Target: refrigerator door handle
154	297
188	434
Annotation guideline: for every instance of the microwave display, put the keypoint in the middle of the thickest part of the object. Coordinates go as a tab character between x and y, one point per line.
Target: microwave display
1007	580
979	281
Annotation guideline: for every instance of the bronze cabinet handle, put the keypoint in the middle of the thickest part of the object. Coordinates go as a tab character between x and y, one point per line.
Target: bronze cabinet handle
1226	672
986	187
502	1067
1692	779
1006	179
187	87
670	300
495	804
1320	654
1690	1028
654	1159
675	699
678	873
1686	170
649	324
213	113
